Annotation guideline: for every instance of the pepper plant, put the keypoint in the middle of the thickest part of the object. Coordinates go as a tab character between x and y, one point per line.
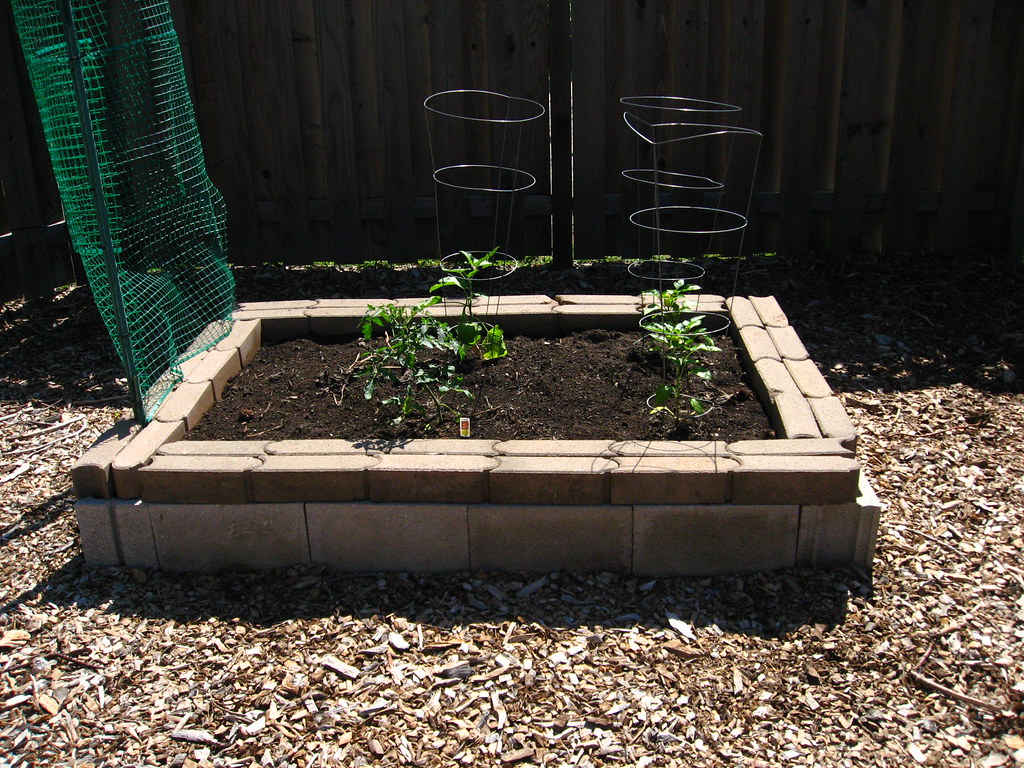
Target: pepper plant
472	334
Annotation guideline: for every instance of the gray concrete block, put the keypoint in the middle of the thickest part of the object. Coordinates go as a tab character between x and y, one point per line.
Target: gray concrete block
91	475
96	531
134	532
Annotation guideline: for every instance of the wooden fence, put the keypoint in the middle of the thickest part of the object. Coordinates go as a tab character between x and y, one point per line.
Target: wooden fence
886	124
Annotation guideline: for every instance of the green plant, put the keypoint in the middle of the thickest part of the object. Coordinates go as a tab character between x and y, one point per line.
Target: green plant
472	334
679	336
403	359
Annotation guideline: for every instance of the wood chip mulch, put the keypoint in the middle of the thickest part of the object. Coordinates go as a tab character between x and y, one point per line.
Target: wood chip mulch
918	662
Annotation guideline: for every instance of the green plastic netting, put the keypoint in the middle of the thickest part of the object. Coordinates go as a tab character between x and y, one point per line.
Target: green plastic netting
110	83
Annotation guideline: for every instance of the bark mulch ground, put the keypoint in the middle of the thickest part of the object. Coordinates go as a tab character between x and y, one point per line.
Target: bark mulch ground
918	662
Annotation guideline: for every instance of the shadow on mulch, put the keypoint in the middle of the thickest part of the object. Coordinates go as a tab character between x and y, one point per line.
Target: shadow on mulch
767	605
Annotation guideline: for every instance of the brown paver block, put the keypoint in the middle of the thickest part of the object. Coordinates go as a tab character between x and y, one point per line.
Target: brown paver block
433	446
550	480
838	534
583	317
198	479
554	448
312	478
96	530
742	312
697	448
196	537
91	475
795	480
712	539
769	311
139	452
808	378
314	447
278	324
246	337
216	367
188	402
134	532
808	447
672	480
214	448
771	378
756	344
794	418
331	321
430	479
192	363
389	537
788	343
833	421
515	298
359	305
547	538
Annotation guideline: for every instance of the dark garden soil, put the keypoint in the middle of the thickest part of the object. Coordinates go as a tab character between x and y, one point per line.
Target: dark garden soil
587	385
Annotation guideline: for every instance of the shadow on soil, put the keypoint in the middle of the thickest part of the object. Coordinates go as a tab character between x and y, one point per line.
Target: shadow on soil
769	605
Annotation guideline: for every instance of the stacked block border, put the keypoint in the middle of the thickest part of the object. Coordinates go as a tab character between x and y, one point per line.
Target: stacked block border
149	498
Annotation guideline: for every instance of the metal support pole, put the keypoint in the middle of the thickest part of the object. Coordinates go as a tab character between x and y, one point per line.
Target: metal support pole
102	212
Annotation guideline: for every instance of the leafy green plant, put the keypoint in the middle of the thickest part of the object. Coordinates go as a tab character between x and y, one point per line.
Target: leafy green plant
472	334
403	359
679	335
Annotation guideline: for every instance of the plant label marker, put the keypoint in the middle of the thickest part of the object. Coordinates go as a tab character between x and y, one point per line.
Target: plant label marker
464	426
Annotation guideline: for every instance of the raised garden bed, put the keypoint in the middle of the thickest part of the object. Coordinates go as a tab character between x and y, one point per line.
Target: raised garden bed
151	498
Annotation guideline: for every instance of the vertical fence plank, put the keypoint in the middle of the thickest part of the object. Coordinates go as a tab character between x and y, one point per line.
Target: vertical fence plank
345	235
865	119
560	122
23	160
393	86
588	130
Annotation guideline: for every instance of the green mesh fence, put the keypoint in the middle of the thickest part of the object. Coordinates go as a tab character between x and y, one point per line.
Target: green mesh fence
141	211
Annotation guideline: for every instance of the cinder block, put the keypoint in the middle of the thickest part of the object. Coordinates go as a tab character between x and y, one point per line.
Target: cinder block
91	474
330	321
582	317
805	447
599	299
196	537
214	448
430	479
769	311
217	367
756	344
838	534
424	447
312	478
134	532
96	530
188	402
278	324
772	378
795	480
808	378
794	418
742	312
672	480
550	480
198	479
787	342
833	421
554	448
698	448
246	337
547	538
389	537
140	450
271	306
525	319
712	539
314	447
